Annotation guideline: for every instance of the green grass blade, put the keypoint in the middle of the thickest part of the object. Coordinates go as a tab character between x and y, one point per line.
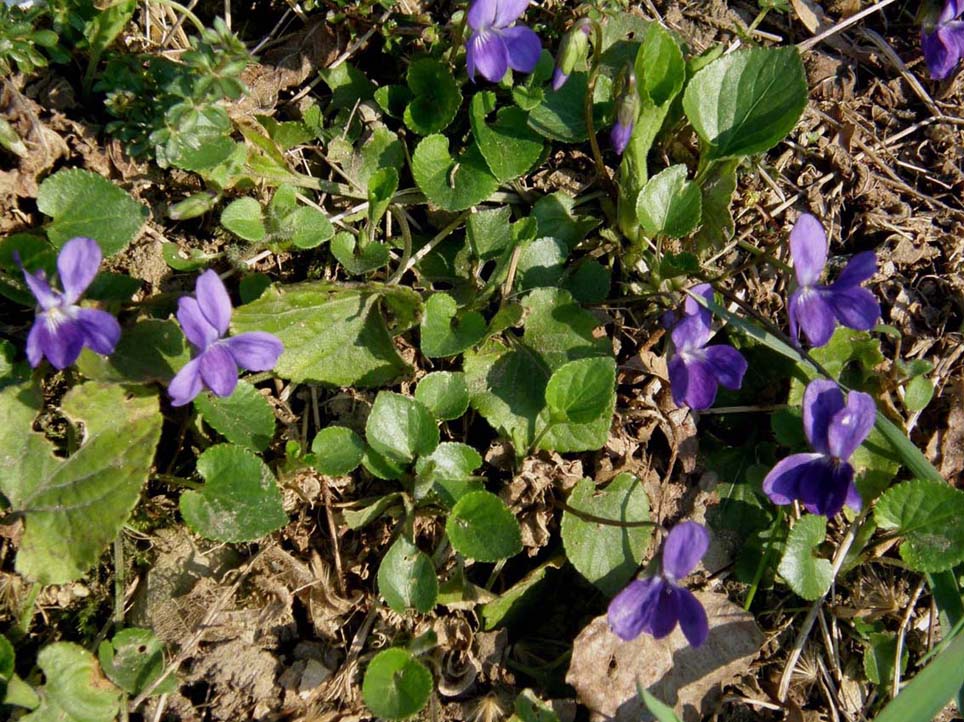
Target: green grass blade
929	691
661	711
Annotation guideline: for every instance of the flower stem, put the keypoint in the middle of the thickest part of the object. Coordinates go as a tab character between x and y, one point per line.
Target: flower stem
588	109
764	560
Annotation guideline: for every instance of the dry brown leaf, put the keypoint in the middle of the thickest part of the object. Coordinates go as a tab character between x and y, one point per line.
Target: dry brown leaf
605	670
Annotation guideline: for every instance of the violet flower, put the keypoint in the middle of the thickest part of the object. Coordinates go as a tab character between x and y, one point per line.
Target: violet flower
573	49
62	328
495	44
814	307
824	481
942	39
654	605
205	321
627	109
695	371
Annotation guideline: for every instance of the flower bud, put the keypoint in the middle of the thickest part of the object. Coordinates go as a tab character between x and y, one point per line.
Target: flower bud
573	49
627	108
194	205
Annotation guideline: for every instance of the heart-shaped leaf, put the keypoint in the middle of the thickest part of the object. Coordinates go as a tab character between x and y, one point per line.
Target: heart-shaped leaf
669	205
355	260
930	517
401	428
239	501
581	391
747	101
75	690
381	189
243	218
244	418
808	575
448	473
150	350
444	393
480	527
452	184
133	659
396	685
337	450
436	97
443	332
74	507
509	146
607	555
406	578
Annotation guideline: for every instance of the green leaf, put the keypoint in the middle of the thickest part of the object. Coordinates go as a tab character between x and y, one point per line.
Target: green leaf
918	393
75	690
717	191
358	518
808	575
930	517
244	418
13	690
74	507
406	578
381	189
239	500
660	710
184	260
879	656
659	65
348	85
444	393
306	227
436	97
396	685
746	102
82	203
150	350
392	99
133	660
925	695
443	332
489	232
512	602
561	116
451	184
529	708
590	281
541	263
581	391
401	428
356	260
669	204
243	218
607	555
480	527
338	451
556	217
448	473
331	335
509	147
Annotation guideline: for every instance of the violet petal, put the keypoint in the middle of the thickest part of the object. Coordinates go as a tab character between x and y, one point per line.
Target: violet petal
691	333
101	330
826	487
482	14
77	265
61	343
630	610
213	300
814	315
186	384
853	498
859	269
619	136
35	352
822	399
46	297
665	614
523	48
255	350
685	546
728	365
940	56
782	484
679	379
486	52
692	307
508	11
559	79
850	425
701	385
855	307
218	370
692	617
194	324
808	248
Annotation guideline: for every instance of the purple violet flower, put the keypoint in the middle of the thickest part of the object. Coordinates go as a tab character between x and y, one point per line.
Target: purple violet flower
824	481
494	46
654	605
205	321
620	134
942	39
627	108
62	328
814	307
573	49
696	371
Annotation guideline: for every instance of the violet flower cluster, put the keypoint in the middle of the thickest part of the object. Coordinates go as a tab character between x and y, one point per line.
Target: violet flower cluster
497	43
656	604
697	370
62	328
942	39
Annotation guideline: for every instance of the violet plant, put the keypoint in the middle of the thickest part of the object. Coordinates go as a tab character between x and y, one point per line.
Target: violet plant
942	37
496	42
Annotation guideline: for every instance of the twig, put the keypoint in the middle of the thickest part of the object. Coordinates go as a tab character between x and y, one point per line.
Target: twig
842	25
901	632
808	621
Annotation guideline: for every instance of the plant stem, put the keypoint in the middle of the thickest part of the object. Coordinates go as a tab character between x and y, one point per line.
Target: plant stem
764	561
119	581
428	247
588	110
